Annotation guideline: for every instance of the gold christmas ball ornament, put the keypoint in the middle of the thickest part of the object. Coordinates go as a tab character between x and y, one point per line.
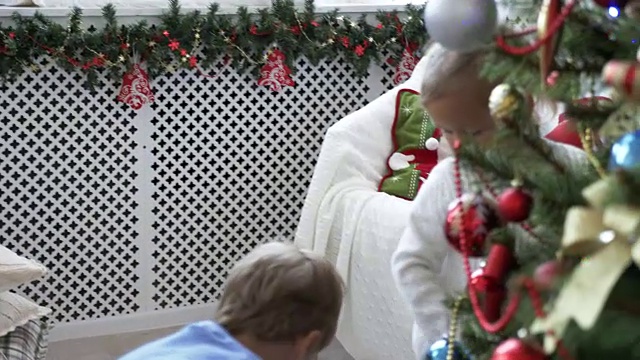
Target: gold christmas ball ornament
505	102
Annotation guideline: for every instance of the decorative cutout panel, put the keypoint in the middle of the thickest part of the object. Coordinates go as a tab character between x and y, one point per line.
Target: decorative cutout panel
67	172
233	162
137	211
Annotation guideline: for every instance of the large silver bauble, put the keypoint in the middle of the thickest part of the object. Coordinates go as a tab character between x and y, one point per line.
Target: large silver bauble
461	25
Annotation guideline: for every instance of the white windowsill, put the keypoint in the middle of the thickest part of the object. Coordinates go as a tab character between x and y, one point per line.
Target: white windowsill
151	11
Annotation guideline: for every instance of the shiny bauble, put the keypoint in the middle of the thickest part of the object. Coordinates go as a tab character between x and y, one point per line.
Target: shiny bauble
464	26
546	275
625	152
480	282
514	204
439	350
470	217
516	349
506	104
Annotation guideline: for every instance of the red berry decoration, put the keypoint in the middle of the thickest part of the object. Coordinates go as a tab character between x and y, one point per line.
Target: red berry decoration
471	214
514	204
516	349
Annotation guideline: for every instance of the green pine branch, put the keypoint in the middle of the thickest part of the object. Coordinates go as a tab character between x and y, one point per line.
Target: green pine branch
590	38
243	40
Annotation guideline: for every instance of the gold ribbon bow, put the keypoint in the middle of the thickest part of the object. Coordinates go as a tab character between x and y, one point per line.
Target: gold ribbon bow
605	236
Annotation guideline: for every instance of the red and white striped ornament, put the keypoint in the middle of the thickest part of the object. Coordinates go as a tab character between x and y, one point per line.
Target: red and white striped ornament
623	76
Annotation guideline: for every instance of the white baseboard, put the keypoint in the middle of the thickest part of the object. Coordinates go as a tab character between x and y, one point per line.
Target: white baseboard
132	323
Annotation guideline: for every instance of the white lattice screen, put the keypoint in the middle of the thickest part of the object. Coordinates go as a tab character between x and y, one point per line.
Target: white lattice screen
139	211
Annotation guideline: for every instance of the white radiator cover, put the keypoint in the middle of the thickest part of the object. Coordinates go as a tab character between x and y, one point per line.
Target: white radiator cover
138	215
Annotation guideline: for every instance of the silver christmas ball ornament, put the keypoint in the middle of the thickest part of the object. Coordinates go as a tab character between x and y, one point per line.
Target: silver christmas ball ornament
462	25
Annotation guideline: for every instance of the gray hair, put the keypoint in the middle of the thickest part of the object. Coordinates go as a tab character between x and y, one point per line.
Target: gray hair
444	69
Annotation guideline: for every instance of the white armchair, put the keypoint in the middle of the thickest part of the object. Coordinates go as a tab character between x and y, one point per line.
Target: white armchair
358	228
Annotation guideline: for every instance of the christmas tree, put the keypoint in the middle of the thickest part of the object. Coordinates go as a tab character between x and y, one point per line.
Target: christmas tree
574	294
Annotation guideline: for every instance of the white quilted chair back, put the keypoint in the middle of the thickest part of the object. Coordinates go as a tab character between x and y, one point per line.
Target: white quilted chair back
346	220
367	132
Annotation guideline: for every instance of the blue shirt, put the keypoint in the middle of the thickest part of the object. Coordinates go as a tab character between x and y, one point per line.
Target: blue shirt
204	340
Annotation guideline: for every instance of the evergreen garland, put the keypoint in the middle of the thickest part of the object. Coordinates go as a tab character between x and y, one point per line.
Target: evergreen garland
197	40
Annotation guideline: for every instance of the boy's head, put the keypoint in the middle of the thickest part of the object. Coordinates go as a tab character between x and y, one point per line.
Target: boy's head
455	95
282	295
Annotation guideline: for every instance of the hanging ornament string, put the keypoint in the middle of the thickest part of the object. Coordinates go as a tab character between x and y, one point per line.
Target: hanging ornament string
514	50
453	328
585	139
514	301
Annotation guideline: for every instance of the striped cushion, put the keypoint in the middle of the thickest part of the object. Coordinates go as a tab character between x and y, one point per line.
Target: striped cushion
27	342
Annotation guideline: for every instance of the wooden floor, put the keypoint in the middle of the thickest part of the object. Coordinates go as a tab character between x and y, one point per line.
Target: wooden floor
111	347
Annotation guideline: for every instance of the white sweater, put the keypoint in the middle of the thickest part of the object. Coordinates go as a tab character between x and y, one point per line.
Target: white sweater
426	269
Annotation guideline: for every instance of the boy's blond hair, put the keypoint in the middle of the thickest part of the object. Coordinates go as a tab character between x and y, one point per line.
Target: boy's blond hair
281	293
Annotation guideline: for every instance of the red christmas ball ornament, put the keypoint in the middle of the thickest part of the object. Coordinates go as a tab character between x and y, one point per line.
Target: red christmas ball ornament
516	349
472	214
547	273
514	204
481	282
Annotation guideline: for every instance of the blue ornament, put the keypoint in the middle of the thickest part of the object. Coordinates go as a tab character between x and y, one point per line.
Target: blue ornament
439	349
625	152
